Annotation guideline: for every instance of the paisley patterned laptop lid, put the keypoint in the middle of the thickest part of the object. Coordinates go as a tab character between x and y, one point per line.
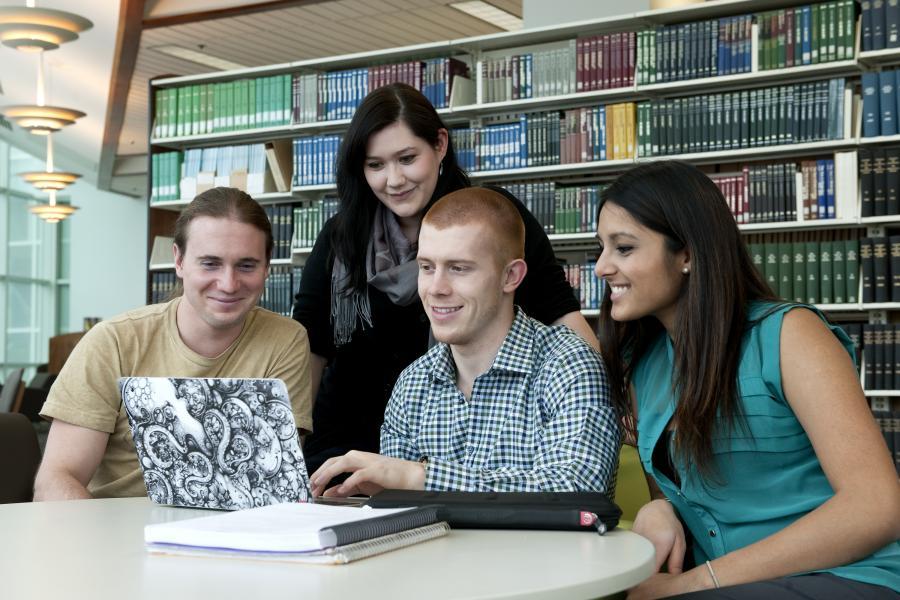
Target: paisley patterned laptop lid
215	443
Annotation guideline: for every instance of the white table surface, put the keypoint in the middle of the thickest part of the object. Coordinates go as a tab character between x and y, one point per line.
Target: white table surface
94	549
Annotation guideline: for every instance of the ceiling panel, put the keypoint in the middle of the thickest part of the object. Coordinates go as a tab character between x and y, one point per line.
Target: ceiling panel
293	33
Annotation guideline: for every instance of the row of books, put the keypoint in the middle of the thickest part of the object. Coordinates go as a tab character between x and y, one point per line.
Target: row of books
531	75
560	209
165	176
309	220
819	267
804	35
880	258
881	103
780	192
880	23
281	217
177	175
889	424
605	62
695	50
227	106
587	286
162	284
599	133
880	346
335	95
805	112
548	138
314	159
281	285
879	178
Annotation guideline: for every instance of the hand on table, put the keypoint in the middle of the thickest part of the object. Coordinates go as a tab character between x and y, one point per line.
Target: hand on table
658	522
371	473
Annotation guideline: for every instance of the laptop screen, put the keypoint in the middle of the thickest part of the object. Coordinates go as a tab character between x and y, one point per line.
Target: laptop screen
215	443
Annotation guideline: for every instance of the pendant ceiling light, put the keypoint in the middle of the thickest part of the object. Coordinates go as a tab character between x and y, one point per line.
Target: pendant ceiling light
40	119
50	181
31	29
53	212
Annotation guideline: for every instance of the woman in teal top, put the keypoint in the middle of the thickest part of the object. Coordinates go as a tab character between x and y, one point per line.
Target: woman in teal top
749	417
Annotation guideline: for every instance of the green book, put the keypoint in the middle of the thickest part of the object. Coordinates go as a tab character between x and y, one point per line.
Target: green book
755	250
799	271
770	269
826	272
785	271
849	19
814	34
812	272
838	269
831	32
851	270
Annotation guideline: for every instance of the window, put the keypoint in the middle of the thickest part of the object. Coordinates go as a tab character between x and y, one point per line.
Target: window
33	268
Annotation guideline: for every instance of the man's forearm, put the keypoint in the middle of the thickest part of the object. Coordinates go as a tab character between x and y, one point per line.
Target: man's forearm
59	485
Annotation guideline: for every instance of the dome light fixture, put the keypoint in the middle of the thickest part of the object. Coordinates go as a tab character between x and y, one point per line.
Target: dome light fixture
41	120
32	29
49	180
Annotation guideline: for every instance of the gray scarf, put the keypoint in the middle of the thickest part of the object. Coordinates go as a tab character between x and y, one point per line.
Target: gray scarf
390	268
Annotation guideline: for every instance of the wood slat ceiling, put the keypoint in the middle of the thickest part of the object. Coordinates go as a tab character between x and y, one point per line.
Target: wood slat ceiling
293	33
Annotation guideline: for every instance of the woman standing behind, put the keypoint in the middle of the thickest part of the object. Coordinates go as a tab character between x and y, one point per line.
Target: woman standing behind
751	422
358	295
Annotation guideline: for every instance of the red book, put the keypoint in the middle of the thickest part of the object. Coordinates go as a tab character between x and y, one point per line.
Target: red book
579	64
594	58
789	37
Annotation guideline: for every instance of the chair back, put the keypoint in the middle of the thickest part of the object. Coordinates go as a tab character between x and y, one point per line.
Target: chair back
19	458
631	485
11	391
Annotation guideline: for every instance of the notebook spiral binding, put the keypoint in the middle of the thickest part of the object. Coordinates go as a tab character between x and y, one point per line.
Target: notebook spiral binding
380	545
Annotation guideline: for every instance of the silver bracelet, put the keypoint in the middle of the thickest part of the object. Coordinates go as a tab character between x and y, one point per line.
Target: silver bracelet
712	574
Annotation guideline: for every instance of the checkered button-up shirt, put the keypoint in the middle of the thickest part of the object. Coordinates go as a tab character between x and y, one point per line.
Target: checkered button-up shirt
540	419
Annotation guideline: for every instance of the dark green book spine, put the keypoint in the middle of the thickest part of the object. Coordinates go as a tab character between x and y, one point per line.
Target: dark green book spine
785	271
851	270
866	259
771	266
838	268
826	286
799	271
812	272
881	259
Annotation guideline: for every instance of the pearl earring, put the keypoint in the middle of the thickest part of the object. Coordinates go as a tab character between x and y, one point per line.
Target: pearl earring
685	270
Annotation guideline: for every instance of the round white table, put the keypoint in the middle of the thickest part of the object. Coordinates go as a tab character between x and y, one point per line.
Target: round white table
93	549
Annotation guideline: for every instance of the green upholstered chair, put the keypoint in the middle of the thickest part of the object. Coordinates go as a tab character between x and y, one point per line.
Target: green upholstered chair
631	486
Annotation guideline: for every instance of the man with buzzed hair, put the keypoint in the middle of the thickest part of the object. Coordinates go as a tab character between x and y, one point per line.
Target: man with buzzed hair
503	402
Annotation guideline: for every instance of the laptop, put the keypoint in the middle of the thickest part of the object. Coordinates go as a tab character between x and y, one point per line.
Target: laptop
215	443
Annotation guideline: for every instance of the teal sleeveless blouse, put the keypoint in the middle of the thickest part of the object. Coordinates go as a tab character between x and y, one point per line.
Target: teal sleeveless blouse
769	476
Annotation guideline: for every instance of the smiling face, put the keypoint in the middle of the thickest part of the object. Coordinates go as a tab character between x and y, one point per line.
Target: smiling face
466	290
402	170
223	270
644	276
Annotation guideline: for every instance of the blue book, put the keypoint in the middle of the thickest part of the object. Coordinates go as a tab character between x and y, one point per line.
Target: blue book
887	102
892	23
821	198
720	46
871	108
829	189
878	25
866	25
601	137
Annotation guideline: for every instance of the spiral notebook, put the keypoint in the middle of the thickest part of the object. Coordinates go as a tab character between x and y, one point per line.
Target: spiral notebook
296	531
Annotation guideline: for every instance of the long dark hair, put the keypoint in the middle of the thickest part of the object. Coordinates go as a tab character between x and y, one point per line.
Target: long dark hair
678	201
384	106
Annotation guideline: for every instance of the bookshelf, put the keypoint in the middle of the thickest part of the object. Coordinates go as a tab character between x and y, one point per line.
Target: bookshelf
467	108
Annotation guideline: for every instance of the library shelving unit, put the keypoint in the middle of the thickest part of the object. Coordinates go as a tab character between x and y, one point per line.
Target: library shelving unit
470	104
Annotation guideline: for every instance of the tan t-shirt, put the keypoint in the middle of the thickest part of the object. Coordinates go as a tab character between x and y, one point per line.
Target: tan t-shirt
145	342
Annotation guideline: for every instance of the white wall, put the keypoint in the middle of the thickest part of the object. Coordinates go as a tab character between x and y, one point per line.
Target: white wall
108	255
541	13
